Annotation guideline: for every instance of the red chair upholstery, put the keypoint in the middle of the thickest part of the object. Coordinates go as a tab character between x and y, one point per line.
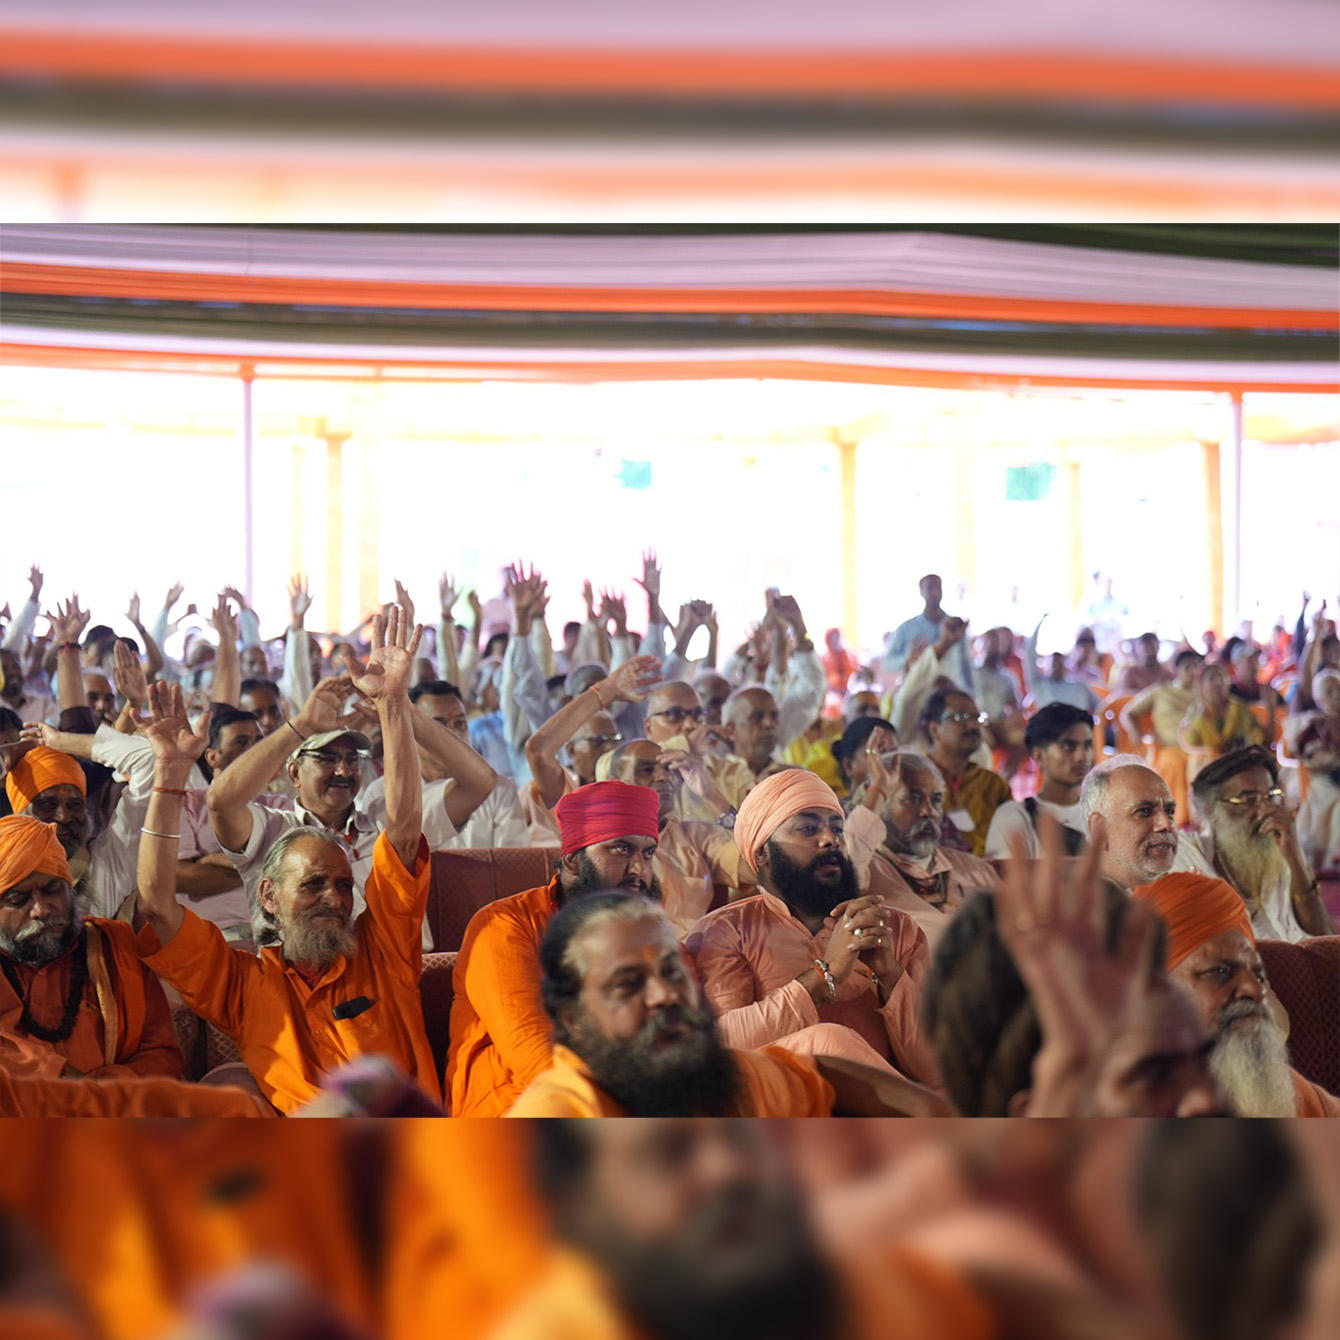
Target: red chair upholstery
1306	978
436	994
465	881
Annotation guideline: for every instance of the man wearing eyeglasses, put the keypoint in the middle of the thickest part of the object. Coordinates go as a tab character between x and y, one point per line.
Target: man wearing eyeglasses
954	726
1250	839
677	721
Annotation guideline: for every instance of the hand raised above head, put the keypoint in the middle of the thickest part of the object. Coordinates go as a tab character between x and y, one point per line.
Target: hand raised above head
169	731
390	663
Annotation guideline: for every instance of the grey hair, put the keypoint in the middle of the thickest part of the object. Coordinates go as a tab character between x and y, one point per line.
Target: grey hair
279	849
581	677
1093	790
921	762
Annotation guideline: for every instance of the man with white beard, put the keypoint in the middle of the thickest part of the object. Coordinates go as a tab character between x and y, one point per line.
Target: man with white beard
1128	813
1251	840
1212	956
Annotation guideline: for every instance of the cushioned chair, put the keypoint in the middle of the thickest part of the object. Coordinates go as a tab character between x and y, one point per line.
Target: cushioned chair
1306	978
436	995
464	881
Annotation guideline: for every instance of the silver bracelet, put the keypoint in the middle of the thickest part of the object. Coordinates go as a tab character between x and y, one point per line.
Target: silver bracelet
151	833
828	978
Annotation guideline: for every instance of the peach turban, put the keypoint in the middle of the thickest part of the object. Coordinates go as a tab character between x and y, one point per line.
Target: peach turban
1195	908
38	769
28	845
601	811
773	801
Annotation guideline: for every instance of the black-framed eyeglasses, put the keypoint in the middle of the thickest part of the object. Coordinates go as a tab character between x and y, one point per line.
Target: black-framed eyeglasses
599	740
1251	799
675	715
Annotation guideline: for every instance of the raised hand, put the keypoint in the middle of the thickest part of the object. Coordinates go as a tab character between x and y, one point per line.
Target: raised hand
787	609
321	711
704	613
632	681
614	607
35	580
476	607
129	673
174	594
650	581
168	729
299	599
390	663
589	596
236	596
447	595
224	620
1053	923
69	621
402	596
133	609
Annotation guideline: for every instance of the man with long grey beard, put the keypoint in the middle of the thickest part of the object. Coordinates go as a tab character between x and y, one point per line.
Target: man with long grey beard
1212	956
1251	840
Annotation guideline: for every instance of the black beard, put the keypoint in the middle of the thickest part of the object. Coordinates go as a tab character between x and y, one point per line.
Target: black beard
589	880
694	1078
788	1293
800	891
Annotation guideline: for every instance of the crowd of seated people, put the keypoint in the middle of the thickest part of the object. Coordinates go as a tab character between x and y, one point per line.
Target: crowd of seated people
955	880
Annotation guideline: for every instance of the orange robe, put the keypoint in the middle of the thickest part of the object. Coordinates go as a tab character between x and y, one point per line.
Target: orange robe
284	1027
1313	1100
776	1083
138	1096
501	1038
123	1028
465	1228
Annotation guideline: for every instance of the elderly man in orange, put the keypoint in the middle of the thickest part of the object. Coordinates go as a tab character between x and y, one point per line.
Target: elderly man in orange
334	988
634	1037
74	998
500	1036
694	1230
809	948
1212	957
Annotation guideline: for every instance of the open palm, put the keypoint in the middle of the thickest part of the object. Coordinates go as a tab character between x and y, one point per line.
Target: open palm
390	664
169	731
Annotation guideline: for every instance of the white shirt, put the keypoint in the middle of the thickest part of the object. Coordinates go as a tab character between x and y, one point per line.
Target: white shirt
1274	919
230	908
498	822
1011	820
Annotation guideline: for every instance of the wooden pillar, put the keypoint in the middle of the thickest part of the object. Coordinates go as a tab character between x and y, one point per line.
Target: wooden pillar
847	467
1214	532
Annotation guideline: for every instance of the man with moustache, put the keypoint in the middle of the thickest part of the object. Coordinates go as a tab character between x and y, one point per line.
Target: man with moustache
334	987
1212	956
809	948
75	1001
500	1036
953	728
894	837
1129	813
1251	840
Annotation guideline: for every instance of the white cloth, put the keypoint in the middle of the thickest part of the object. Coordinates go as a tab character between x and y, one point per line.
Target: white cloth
800	697
994	691
1011	820
498	822
35	707
958	663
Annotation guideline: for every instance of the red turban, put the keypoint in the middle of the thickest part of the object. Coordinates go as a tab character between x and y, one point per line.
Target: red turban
1195	908
601	811
773	801
39	769
27	845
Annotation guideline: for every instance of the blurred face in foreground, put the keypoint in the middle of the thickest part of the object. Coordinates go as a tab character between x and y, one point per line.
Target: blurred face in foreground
702	1232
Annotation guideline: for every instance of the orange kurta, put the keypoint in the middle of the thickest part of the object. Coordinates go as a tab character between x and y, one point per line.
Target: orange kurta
138	1096
119	993
285	1028
1313	1100
777	1083
501	1038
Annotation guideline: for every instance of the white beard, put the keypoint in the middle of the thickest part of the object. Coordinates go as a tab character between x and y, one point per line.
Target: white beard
1255	863
1251	1063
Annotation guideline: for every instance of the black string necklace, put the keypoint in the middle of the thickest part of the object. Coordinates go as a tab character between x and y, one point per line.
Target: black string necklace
30	1025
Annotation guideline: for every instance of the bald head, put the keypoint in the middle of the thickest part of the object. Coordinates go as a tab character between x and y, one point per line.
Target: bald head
862	704
713	691
752	718
673	709
638	763
1131	817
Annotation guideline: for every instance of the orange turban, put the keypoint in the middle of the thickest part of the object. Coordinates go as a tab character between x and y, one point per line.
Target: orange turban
773	801
1195	908
38	769
27	845
601	811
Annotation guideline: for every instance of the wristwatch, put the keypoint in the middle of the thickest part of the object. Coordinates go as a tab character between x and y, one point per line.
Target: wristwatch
727	821
828	978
